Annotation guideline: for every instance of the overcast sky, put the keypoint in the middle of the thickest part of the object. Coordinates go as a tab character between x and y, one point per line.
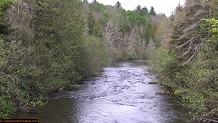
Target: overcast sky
161	6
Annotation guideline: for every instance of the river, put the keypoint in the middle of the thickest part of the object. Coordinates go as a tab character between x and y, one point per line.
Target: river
119	94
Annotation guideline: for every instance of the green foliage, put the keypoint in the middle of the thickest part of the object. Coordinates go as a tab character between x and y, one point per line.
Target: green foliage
193	79
141	20
37	102
4	4
97	23
4	26
135	18
7	107
96	50
126	55
162	60
104	17
97	7
115	54
201	84
50	50
59	42
19	80
213	28
30	69
94	26
13	69
196	102
91	23
131	17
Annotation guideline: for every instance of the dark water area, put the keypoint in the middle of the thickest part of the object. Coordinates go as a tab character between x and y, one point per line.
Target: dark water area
120	94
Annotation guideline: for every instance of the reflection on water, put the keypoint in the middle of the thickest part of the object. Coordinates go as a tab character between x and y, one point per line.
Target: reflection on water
120	94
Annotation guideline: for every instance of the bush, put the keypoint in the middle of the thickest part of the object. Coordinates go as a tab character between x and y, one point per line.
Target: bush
7	107
161	60
96	54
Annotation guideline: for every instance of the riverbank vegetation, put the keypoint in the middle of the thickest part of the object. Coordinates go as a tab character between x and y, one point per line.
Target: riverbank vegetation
47	45
186	58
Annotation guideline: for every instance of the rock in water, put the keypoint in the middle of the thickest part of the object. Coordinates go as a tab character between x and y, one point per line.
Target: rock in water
153	83
161	92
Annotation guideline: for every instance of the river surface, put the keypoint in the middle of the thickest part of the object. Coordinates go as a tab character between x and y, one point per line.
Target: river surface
119	94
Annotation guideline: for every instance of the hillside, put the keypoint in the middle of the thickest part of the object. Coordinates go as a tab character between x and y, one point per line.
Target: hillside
52	45
186	60
47	45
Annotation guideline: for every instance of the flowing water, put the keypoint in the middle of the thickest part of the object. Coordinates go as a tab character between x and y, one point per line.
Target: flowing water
120	94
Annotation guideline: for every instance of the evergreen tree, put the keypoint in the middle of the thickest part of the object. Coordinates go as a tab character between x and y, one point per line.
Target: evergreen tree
152	11
94	1
118	4
59	38
138	9
145	10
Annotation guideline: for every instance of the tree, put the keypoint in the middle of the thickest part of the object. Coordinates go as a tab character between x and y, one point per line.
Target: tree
94	1
59	40
91	23
152	11
4	4
85	1
138	9
145	10
194	46
118	4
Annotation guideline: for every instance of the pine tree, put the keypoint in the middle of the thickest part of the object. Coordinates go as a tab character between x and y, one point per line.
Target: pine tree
145	10
118	4
152	11
138	9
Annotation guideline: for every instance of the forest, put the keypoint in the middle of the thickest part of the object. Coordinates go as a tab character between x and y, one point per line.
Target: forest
51	45
186	58
48	45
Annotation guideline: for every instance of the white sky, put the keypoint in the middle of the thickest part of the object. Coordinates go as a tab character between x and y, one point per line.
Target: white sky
160	6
